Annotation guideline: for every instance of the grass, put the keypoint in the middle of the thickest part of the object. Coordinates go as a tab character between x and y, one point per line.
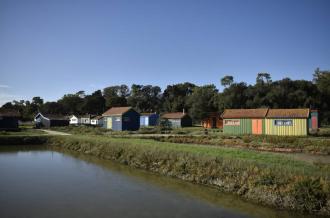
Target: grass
23	132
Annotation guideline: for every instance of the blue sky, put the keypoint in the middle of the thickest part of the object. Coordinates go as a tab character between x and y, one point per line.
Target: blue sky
49	48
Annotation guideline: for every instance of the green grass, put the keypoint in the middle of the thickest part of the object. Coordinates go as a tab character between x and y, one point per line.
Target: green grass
23	132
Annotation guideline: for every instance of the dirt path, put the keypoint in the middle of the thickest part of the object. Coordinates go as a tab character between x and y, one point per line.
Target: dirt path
52	132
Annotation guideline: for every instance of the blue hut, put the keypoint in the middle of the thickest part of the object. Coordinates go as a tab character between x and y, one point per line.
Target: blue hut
50	120
148	119
121	119
9	119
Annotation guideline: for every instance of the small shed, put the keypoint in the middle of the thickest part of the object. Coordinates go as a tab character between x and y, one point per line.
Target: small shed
74	120
97	121
178	119
287	122
50	120
9	119
121	119
213	120
149	119
244	121
85	119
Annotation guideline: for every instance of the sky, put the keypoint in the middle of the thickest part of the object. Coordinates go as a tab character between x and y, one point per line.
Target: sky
49	48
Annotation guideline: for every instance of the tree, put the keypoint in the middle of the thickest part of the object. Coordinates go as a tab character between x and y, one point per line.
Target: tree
145	98
94	103
322	81
115	96
227	81
263	78
202	101
71	104
175	97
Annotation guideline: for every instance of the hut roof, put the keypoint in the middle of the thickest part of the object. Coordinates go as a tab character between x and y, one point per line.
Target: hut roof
176	115
288	113
116	111
97	117
245	113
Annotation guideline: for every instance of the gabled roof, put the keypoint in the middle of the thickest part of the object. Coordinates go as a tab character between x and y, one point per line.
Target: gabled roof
116	111
288	113
245	113
53	116
176	115
9	113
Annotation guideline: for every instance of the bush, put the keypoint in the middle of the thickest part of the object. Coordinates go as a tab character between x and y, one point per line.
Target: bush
309	195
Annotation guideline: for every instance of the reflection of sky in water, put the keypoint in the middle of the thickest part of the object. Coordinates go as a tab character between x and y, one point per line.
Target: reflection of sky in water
51	184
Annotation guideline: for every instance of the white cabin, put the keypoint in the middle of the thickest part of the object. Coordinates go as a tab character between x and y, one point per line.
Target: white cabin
74	120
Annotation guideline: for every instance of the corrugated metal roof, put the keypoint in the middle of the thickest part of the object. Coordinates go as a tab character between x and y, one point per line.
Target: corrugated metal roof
245	113
116	111
288	113
176	115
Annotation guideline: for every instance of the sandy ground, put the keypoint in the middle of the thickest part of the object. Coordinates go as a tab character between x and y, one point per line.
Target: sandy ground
52	132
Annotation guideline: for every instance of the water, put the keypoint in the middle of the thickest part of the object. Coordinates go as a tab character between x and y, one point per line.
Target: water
35	182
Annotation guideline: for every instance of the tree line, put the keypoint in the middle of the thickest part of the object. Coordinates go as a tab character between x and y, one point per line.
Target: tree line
198	101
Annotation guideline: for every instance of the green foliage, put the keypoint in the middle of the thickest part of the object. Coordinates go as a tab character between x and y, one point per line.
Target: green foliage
202	101
115	96
145	98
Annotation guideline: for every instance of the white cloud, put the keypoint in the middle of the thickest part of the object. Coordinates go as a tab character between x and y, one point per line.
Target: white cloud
4	86
5	97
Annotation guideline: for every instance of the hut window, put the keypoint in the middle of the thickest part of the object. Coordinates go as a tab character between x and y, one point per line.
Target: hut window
126	119
232	122
283	122
117	119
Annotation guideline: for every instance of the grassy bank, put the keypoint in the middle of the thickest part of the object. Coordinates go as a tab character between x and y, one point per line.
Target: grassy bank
23	139
266	178
196	135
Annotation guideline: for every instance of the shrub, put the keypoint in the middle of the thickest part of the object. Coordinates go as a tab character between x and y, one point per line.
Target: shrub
308	195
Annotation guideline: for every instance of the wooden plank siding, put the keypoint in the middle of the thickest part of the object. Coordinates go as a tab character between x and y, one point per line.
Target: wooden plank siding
298	127
237	126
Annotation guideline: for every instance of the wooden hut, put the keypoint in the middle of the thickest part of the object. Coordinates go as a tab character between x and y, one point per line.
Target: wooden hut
9	119
244	121
213	120
287	122
50	120
178	119
121	119
148	119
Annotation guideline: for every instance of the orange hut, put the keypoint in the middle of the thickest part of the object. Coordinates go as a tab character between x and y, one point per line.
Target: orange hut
213	120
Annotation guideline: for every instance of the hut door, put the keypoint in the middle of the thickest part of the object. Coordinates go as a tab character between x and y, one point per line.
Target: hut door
109	120
314	122
214	122
257	126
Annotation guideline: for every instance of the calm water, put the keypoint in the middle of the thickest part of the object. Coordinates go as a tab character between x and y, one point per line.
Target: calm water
42	183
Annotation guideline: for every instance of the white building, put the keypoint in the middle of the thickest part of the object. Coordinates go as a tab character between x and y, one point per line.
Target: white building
74	120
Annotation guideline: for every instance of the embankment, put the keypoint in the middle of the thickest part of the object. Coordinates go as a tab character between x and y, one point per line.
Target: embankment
268	179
